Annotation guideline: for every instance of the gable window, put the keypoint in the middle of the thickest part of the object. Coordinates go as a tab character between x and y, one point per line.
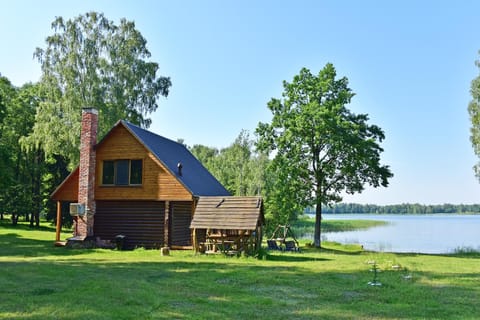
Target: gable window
122	172
108	172
136	167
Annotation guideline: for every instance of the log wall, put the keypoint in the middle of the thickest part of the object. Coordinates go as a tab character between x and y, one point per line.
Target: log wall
140	221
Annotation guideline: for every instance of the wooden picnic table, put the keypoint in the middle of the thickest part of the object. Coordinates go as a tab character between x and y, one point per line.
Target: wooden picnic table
217	242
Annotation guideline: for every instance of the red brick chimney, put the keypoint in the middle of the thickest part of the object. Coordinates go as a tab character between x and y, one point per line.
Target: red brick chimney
86	180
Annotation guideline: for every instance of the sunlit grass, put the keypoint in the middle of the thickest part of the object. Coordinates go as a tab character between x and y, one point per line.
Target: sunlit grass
40	281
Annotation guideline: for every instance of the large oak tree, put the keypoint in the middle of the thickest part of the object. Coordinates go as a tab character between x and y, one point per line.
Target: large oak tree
321	148
89	61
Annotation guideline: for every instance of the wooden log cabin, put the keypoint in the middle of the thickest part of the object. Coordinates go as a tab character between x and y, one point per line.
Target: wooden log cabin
134	183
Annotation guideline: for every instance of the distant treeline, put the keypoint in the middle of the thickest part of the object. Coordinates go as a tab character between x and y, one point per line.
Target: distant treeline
405	208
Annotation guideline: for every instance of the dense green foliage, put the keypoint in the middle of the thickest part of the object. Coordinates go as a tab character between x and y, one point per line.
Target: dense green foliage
246	172
320	147
40	281
405	208
238	167
26	177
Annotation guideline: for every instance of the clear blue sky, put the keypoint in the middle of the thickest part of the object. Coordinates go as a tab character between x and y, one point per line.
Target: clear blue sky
410	64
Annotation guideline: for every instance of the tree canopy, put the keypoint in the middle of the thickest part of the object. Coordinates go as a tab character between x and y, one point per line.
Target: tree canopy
89	61
238	167
23	178
321	148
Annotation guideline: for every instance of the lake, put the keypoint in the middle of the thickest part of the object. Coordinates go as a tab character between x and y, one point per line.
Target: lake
436	233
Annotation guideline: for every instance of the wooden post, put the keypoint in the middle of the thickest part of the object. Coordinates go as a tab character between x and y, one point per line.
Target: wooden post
259	235
59	221
166	224
193	235
195	242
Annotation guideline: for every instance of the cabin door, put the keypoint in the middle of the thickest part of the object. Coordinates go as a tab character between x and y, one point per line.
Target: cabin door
180	219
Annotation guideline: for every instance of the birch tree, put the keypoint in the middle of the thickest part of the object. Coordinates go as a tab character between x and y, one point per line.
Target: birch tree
89	61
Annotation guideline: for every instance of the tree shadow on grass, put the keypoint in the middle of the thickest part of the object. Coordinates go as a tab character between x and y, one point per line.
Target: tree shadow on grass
293	257
331	250
22	225
338	251
13	244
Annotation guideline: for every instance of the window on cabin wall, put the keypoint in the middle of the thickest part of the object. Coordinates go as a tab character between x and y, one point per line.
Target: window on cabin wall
136	167
122	172
108	176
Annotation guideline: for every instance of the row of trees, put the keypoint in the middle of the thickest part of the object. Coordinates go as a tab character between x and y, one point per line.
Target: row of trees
404	208
22	174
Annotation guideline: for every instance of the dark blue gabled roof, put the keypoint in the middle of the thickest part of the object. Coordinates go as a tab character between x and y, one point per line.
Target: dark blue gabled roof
195	177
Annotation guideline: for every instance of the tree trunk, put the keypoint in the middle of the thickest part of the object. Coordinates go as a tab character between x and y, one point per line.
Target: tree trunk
37	186
36	196
318	224
14	219
37	218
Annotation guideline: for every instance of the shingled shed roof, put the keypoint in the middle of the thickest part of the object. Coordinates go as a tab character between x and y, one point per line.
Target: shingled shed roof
230	213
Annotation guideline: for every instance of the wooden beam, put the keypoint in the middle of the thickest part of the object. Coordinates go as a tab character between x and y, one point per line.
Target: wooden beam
193	234
59	221
259	235
194	241
166	225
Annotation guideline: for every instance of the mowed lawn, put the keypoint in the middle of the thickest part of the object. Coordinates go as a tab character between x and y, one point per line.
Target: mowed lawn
40	281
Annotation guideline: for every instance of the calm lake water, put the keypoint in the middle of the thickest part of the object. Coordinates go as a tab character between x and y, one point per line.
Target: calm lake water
436	233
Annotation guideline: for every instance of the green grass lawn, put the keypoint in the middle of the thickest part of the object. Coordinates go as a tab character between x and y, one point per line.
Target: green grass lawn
40	281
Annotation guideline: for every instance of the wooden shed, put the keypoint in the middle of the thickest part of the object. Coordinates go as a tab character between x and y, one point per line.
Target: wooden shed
228	224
